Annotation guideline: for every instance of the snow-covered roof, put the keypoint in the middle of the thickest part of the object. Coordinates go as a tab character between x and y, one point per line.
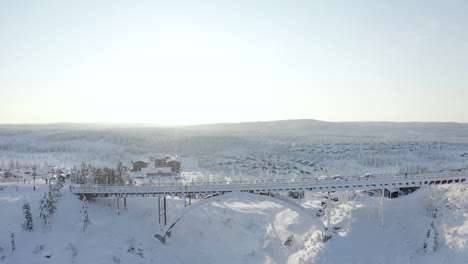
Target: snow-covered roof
156	170
137	174
17	172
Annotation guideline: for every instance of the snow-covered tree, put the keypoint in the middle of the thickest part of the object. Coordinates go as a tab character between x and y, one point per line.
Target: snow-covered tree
121	177
91	175
13	244
84	210
83	174
52	200
48	206
74	174
28	223
44	212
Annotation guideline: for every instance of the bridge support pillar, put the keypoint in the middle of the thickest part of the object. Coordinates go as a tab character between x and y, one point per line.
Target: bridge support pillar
188	200
162	211
433	197
381	207
125	202
328	229
328	211
118	206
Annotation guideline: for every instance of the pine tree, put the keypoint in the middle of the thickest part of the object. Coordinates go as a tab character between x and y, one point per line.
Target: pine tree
121	177
91	175
74	175
47	208
52	200
28	224
431	242
84	209
83	173
44	212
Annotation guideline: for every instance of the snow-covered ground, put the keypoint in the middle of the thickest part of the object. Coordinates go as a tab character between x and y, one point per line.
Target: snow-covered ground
236	230
239	229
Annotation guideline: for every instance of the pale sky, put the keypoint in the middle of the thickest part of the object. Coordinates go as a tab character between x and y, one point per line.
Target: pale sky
190	62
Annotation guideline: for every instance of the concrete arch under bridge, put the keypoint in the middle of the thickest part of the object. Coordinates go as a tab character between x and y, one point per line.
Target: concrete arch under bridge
278	199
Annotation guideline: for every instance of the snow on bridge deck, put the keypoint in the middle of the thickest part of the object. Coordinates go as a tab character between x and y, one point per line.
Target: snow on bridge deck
337	183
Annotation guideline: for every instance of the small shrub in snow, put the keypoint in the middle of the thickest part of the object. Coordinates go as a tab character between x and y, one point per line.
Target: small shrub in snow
131	248
2	256
228	222
72	250
289	240
39	249
140	251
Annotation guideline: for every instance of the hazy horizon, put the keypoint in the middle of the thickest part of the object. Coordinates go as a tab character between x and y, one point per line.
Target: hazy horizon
140	124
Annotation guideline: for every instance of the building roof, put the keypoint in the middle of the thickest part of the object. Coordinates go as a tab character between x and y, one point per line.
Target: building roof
156	170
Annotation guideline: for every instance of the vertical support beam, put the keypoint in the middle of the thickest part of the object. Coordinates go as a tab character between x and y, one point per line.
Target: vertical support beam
328	211
328	231
159	209
187	200
381	208
125	202
118	207
165	210
162	215
433	196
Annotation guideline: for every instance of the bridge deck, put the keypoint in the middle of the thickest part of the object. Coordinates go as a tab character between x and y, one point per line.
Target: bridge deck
264	186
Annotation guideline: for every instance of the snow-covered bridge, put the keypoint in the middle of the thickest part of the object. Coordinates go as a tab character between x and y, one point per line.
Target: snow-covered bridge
266	190
323	184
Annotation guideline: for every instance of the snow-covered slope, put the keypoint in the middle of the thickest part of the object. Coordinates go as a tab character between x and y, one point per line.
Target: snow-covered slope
236	230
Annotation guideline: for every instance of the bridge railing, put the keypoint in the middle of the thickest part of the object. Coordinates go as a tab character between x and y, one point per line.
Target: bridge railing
289	180
271	184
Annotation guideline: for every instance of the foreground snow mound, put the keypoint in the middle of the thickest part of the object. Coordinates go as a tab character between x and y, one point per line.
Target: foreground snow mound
235	230
407	221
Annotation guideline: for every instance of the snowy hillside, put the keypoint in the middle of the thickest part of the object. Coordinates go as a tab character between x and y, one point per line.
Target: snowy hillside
235	230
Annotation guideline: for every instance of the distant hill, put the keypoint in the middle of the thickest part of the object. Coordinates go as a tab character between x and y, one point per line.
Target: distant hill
302	128
309	127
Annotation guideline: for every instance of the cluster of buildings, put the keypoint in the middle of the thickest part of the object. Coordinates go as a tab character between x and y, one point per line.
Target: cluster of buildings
156	170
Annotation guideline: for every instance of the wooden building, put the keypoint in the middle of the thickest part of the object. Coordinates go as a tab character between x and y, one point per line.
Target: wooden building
160	163
174	164
138	165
